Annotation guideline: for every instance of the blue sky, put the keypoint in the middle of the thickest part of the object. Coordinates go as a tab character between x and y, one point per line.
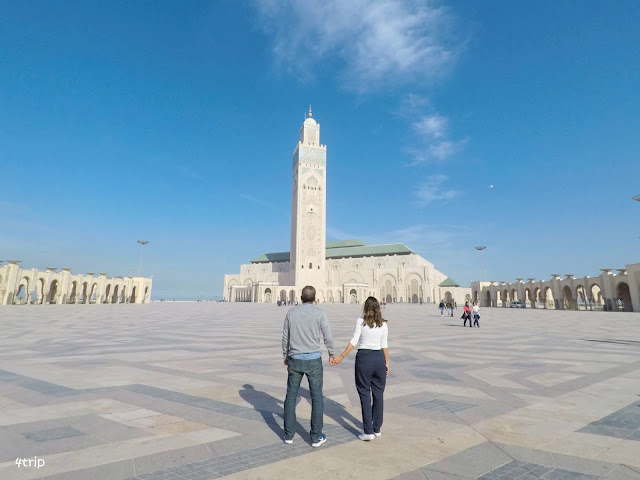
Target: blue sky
175	122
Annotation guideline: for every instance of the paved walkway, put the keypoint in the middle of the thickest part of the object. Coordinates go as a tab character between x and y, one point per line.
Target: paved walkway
194	391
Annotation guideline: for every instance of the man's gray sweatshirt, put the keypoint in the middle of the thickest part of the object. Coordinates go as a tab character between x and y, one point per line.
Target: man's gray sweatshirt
303	327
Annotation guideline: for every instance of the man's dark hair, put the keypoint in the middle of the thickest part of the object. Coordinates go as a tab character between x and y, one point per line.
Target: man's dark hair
308	294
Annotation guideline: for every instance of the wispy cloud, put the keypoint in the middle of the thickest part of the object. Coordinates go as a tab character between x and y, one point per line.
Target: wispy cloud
256	200
435	189
377	44
431	126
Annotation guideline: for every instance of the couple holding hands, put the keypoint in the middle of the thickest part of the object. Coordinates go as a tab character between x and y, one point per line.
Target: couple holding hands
304	327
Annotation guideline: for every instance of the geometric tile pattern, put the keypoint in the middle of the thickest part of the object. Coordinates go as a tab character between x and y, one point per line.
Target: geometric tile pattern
52	434
245	460
530	471
429	374
195	391
438	405
625	423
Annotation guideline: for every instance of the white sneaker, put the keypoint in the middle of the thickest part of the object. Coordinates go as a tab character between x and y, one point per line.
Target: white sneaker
288	442
378	434
366	437
320	441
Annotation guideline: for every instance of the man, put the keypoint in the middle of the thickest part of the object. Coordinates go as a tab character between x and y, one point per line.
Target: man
303	327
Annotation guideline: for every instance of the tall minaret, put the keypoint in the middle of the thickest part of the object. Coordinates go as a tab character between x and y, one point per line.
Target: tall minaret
309	207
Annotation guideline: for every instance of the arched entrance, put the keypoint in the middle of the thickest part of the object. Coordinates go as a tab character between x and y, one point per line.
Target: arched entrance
488	299
414	298
114	299
283	295
74	292
581	298
514	295
388	298
353	296
107	299
467	298
527	298
499	300
475	296
53	292
623	297
146	298
536	298
549	301
567	298
505	298
85	298
292	296
595	297
267	295
22	295
134	292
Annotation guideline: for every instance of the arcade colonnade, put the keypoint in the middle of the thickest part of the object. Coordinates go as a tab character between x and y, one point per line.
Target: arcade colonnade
19	286
608	291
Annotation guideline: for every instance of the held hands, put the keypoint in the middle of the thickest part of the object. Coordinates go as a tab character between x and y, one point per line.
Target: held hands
335	361
387	369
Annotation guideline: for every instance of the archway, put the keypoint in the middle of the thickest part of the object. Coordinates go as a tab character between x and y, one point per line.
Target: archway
514	295
623	297
106	295
467	298
488	299
597	302
267	295
22	295
536	298
475	296
414	298
505	298
581	298
330	296
123	294
569	302
85	297
292	296
448	298
114	298
146	298
549	301
353	296
527	298
74	292
388	298
53	292
134	292
499	299
283	296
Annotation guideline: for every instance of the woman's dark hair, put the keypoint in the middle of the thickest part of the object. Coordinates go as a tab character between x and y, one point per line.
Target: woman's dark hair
371	314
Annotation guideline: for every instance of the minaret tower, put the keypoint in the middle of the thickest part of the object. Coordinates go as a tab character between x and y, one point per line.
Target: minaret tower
309	207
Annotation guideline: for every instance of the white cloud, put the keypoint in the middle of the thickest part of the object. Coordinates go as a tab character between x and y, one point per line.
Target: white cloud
435	189
431	126
379	44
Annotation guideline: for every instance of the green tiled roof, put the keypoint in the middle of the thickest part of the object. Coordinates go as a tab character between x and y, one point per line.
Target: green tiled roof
449	282
345	243
343	249
369	250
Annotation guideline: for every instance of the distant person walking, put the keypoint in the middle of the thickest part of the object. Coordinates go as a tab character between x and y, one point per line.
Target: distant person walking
466	314
475	311
372	366
304	326
441	307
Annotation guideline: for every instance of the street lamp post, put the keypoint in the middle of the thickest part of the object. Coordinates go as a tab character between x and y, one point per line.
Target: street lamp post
480	249
142	244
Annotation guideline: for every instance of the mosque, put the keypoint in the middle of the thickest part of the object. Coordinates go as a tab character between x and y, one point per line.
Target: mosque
345	271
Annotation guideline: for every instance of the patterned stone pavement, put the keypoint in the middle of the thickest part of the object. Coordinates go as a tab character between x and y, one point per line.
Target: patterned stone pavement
195	391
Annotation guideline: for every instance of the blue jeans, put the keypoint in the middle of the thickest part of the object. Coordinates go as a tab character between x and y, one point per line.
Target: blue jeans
313	370
371	378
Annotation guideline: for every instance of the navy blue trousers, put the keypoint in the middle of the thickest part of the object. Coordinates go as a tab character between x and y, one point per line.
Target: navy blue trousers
371	378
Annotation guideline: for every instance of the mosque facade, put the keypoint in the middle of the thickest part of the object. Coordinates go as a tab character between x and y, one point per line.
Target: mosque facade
345	271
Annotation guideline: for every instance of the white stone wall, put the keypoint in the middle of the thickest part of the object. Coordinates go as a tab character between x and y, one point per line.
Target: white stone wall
607	291
393	278
20	286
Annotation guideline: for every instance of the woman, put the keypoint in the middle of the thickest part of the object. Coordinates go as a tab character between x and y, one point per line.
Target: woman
372	366
466	314
476	314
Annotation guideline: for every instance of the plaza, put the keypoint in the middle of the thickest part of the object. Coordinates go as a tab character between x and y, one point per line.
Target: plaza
195	391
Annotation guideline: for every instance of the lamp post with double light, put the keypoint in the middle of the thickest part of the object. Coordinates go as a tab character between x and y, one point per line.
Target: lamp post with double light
480	249
142	244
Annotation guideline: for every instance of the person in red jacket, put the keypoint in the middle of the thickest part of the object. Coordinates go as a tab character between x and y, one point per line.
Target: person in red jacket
466	315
